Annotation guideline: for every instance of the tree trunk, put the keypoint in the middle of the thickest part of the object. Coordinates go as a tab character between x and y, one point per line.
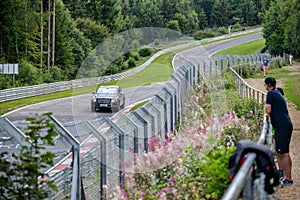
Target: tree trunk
49	35
42	34
53	34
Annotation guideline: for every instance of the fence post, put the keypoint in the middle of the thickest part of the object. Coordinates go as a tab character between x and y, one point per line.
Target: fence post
146	134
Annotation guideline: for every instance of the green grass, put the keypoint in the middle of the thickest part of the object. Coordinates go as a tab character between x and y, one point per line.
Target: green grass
12	105
244	49
159	70
292	89
291	83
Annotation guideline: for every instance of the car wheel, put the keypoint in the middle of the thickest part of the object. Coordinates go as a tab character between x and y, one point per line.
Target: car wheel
116	109
93	108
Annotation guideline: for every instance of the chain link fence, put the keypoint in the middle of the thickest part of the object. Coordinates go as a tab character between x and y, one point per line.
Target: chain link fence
110	148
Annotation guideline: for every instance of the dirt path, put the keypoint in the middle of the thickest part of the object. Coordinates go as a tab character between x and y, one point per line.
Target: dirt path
288	192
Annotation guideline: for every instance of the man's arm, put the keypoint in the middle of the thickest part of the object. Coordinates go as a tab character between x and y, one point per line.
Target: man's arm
267	110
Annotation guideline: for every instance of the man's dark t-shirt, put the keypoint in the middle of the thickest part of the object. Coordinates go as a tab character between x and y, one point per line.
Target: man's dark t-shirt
279	112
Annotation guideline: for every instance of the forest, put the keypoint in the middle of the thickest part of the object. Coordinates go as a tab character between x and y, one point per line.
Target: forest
50	39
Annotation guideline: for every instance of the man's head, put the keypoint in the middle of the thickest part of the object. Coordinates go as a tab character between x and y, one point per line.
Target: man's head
270	83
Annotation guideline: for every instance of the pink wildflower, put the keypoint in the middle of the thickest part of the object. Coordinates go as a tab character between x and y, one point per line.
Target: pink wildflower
165	190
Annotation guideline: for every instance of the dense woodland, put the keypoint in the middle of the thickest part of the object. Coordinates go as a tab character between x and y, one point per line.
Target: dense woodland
50	39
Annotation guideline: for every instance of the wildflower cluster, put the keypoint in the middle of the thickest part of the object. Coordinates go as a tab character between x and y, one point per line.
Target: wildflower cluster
193	163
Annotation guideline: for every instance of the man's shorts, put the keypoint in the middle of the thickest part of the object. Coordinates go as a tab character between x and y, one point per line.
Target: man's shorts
283	136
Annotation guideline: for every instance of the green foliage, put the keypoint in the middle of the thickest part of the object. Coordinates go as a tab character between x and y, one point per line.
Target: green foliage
214	173
245	71
131	62
281	27
173	25
82	25
95	32
223	30
19	174
135	55
205	34
228	81
145	51
241	106
28	74
221	13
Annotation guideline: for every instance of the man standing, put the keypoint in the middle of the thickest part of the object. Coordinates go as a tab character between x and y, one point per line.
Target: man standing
291	58
276	109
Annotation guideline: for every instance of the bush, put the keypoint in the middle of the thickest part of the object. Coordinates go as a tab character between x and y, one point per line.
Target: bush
135	55
237	27
144	52
228	81
28	74
245	71
223	30
205	34
131	62
214	172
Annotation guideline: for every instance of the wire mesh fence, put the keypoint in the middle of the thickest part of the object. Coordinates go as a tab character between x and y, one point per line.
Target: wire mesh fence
110	148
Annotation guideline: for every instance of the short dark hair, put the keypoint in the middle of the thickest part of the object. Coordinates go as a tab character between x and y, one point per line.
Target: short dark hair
280	90
270	81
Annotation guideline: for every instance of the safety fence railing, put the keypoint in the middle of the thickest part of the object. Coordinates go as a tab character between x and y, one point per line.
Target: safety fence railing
36	90
112	141
250	181
105	154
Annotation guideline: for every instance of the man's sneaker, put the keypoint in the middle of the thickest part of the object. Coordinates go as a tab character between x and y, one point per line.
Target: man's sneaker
284	181
281	178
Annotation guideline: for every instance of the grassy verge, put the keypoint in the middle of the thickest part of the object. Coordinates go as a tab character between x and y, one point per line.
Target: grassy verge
290	80
292	89
244	49
159	70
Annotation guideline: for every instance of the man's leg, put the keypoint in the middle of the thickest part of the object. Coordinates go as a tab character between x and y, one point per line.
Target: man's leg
286	164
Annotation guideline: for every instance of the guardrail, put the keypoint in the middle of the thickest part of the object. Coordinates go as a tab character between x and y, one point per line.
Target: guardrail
36	90
243	181
107	149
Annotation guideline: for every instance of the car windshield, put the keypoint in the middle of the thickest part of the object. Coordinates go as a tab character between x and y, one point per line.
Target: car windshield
107	90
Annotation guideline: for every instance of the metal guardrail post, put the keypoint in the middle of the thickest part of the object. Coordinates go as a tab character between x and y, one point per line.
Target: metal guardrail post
103	171
173	106
152	119
121	149
146	134
165	125
76	179
155	120
135	133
